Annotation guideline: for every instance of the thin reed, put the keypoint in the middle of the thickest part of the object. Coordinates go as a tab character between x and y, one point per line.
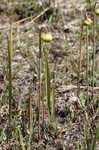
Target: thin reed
10	49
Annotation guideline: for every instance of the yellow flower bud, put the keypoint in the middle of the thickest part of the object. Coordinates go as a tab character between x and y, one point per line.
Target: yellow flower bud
88	22
46	37
97	11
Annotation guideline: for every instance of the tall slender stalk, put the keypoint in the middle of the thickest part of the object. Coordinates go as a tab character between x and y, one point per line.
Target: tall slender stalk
47	82
87	63
47	37
53	104
30	113
87	54
39	100
94	48
10	47
80	57
30	116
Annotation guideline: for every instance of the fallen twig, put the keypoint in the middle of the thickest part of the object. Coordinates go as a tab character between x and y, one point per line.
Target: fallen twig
32	18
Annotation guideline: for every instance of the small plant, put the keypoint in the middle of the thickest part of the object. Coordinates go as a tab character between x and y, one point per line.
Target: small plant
43	37
47	37
82	101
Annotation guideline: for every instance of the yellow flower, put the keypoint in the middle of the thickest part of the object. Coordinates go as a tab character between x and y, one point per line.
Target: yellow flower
97	11
46	37
88	22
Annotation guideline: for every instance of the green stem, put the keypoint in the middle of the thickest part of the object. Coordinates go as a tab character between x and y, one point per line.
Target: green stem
87	63
94	48
87	54
30	115
79	65
40	63
48	89
9	39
